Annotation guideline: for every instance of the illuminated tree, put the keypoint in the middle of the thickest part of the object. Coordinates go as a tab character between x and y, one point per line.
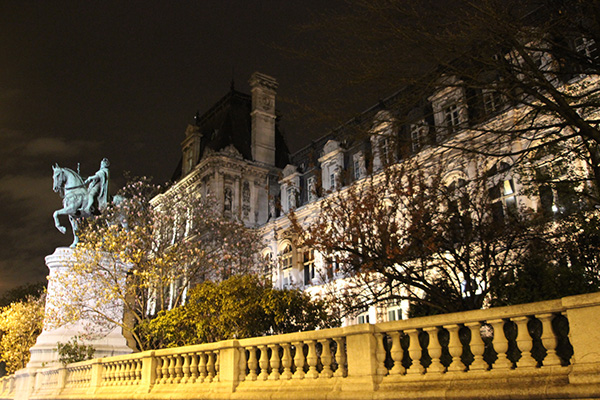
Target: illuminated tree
20	324
144	257
239	307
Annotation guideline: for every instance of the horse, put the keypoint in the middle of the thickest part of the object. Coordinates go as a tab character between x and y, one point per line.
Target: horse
74	193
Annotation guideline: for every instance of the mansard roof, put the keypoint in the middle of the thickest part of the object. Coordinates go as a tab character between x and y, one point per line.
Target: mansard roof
228	122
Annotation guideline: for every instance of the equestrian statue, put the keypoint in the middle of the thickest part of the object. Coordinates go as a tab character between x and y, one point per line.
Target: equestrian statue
81	199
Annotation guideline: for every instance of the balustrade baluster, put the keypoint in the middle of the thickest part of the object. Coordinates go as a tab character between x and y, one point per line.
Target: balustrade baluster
252	364
326	358
500	343
178	368
286	361
186	368
165	369
414	351
299	360
477	347
312	360
263	362
193	367
275	362
455	349
125	370
138	371
524	343
211	366
380	354
435	351
202	371
340	357
397	354
549	341
243	365
171	369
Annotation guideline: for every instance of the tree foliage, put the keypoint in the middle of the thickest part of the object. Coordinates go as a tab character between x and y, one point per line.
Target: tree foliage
20	324
142	256
239	307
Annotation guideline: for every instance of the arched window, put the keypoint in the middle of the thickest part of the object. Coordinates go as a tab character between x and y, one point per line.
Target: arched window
286	262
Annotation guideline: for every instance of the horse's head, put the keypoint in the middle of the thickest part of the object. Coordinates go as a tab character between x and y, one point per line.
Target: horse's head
58	178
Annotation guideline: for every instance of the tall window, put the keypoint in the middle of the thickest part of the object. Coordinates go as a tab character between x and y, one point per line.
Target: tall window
394	311
309	266
286	264
418	133
358	165
503	198
311	187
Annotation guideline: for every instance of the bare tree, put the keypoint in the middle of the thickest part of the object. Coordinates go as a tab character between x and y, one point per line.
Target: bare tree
526	73
410	232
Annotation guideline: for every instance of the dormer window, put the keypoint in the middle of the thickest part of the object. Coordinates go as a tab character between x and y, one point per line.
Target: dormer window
418	135
587	48
451	117
492	101
332	163
358	165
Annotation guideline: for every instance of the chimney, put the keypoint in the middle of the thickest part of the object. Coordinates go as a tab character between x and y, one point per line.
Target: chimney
264	89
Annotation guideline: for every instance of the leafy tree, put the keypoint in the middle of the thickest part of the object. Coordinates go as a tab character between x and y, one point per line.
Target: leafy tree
74	351
143	255
533	66
410	234
239	307
20	325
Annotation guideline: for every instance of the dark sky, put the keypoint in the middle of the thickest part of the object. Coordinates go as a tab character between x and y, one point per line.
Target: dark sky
84	80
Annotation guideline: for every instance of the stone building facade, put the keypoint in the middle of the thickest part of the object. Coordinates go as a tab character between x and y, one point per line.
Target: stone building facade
236	152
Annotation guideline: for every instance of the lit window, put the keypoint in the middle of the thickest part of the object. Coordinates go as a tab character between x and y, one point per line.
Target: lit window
363	318
394	311
286	257
309	266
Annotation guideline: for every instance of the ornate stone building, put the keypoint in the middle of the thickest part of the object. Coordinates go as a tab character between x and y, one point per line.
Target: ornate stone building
236	152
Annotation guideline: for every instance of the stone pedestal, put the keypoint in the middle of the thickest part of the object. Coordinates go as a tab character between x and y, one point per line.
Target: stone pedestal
44	352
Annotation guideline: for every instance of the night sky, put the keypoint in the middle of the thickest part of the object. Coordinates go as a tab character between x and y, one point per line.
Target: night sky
84	80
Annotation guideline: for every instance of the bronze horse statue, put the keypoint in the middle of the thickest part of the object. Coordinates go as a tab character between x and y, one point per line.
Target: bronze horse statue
79	200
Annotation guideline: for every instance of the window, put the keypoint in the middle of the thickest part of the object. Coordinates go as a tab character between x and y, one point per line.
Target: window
451	118
503	199
358	165
286	257
418	134
309	266
492	101
363	318
394	311
311	187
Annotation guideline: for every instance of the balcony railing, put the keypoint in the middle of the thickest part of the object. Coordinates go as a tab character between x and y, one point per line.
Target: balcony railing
539	350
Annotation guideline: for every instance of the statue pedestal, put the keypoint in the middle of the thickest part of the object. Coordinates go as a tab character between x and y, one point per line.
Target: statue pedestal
44	352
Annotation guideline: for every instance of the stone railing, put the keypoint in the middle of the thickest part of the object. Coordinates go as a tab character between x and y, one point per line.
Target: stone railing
541	350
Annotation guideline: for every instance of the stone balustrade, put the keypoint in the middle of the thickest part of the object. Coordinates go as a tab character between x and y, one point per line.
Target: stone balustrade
546	350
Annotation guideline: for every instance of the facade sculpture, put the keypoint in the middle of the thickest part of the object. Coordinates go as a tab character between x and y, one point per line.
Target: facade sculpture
79	200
